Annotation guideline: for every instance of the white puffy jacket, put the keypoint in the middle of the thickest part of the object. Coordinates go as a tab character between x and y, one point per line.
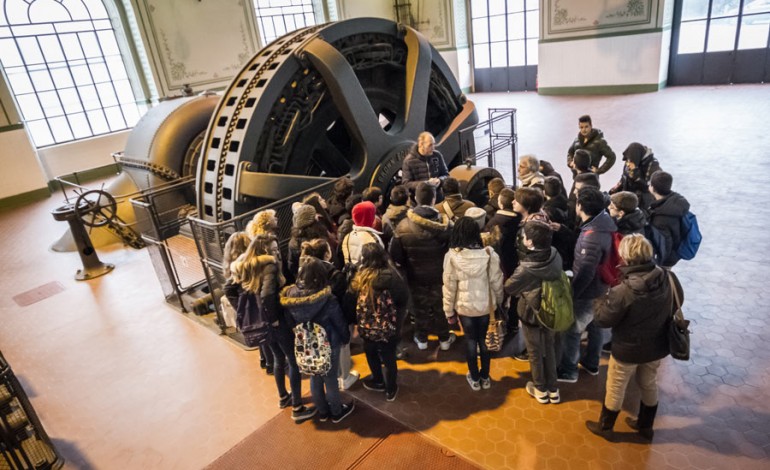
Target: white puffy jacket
469	276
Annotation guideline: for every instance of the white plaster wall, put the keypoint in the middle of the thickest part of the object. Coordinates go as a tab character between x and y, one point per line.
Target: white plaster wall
81	155
616	60
459	61
665	54
369	8
21	169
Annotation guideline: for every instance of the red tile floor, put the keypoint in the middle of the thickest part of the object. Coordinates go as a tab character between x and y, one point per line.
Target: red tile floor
121	380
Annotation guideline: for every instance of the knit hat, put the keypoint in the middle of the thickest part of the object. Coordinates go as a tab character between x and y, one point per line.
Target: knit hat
363	214
634	153
304	215
478	214
582	159
625	201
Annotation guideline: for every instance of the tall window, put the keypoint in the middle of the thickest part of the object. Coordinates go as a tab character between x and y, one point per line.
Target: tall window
723	25
64	66
505	33
278	17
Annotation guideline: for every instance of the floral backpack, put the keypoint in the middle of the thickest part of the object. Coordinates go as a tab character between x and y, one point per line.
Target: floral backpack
377	315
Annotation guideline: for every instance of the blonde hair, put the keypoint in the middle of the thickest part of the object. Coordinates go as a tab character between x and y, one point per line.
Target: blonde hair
263	222
248	268
634	249
235	246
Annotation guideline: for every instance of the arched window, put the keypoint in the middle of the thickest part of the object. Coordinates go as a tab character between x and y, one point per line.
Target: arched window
65	68
278	17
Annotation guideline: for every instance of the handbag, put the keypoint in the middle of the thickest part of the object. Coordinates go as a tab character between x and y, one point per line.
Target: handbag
678	332
496	328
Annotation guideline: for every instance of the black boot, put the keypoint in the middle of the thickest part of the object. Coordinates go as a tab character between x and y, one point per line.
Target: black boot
606	422
644	423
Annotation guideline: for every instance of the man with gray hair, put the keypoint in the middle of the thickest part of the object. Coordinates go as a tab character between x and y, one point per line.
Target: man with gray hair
529	172
424	163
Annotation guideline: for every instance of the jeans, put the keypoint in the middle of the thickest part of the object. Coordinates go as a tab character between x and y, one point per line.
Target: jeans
620	373
325	389
283	354
570	352
381	355
429	312
542	356
475	330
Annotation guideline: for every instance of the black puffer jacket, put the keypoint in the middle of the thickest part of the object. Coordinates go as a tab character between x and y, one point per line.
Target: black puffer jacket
419	244
638	310
632	223
592	247
666	215
417	168
597	147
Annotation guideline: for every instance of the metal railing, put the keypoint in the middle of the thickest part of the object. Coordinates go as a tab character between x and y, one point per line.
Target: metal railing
493	143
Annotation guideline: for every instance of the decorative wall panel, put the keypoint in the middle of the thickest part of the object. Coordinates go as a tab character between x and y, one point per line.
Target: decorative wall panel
200	43
591	17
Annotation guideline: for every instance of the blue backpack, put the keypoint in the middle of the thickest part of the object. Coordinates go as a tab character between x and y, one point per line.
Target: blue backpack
691	237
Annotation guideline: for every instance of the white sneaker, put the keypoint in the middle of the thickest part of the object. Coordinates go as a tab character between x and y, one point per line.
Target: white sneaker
541	397
348	381
444	345
475	386
421	345
486	384
554	397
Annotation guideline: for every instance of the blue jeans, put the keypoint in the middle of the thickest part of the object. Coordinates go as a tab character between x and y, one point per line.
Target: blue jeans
475	329
325	389
570	352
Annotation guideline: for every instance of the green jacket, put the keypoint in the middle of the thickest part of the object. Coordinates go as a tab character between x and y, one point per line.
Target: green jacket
597	147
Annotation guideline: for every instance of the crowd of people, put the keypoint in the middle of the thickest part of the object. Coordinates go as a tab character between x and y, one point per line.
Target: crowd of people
433	263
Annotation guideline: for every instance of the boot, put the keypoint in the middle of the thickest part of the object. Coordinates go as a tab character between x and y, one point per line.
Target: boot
643	424
606	422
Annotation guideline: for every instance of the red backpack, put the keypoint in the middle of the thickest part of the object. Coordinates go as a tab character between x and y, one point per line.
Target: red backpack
608	269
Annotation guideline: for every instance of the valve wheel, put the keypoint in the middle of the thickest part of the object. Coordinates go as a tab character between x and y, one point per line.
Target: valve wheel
96	208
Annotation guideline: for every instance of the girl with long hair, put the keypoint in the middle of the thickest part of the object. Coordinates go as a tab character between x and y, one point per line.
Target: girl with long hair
473	285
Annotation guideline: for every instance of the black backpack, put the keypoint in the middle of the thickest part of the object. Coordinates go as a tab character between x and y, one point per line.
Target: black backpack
251	319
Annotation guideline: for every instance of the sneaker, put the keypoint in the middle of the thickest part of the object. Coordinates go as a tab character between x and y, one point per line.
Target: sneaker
607	347
303	413
269	369
541	397
554	397
523	356
590	371
350	380
323	417
475	385
566	378
346	410
284	401
370	384
444	345
486	384
421	345
391	396
401	352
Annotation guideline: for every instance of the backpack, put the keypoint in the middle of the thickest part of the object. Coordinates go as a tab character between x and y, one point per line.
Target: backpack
312	348
556	312
660	243
377	316
690	237
608	269
251	319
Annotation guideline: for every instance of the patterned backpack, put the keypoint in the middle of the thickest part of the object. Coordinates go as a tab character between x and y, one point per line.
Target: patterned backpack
312	348
377	315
